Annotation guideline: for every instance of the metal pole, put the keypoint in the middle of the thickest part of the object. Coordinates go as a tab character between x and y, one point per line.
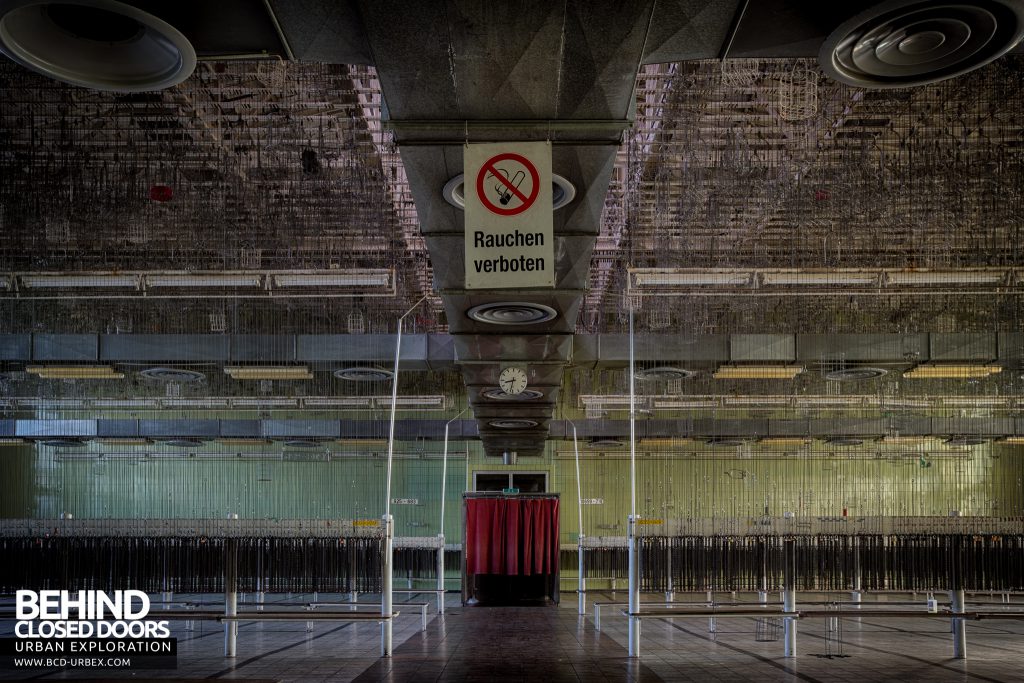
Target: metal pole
230	596
789	595
440	535
386	595
956	597
634	556
581	584
387	566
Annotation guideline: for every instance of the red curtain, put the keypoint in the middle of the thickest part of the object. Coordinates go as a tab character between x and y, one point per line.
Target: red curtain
511	536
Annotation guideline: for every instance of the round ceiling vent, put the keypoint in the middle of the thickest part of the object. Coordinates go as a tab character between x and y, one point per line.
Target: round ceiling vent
965	441
524	395
855	374
664	374
844	441
301	443
99	44
598	444
364	374
513	424
902	43
562	192
62	443
512	313
725	441
172	375
183	443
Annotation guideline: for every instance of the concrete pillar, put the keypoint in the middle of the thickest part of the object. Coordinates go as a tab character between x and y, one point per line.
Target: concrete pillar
634	590
789	595
386	604
440	574
959	625
581	584
230	596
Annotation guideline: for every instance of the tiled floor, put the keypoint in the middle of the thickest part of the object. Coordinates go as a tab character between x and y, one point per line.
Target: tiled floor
555	644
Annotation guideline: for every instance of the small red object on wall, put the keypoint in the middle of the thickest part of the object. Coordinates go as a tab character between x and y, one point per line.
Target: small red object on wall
161	193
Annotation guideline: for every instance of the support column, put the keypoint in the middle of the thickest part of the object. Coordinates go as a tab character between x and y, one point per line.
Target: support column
440	573
634	590
581	583
956	597
789	595
387	568
670	593
230	596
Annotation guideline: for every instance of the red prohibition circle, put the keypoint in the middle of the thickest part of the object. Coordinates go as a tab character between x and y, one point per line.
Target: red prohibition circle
488	167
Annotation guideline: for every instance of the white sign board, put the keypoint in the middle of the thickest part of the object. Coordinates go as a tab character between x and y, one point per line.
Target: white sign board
592	501
509	242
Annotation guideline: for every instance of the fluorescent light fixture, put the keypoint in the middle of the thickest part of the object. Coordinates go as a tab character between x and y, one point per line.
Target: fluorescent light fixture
758	371
681	441
194	402
7	441
906	440
675	277
1014	440
977	401
51	403
785	441
264	402
807	401
124	403
818	278
252	372
74	372
123	441
685	404
371	277
605	402
327	401
232	441
935	371
756	400
435	401
186	280
912	278
83	281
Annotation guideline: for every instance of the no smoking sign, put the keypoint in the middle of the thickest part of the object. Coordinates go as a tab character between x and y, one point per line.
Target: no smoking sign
509	242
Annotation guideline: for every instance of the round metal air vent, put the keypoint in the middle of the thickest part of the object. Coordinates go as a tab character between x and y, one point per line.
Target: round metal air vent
562	192
965	441
855	374
600	444
364	374
99	44
664	374
844	441
512	313
301	443
902	43
513	424
172	375
62	443
725	441
524	395
183	443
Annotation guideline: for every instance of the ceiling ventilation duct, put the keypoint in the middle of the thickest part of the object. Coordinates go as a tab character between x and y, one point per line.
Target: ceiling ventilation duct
904	43
725	442
602	444
664	374
512	313
514	423
562	192
99	44
524	395
844	441
965	441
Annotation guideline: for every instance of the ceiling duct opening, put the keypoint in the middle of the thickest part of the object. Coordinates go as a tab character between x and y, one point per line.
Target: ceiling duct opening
664	374
562	192
854	374
725	442
598	444
172	375
844	441
183	443
62	443
965	441
364	374
524	395
512	313
513	424
904	43
99	44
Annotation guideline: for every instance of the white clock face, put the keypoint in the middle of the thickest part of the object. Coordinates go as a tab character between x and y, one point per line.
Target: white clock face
512	380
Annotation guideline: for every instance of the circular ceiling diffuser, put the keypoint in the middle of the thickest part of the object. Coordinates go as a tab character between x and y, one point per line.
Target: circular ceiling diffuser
965	441
855	374
512	313
664	374
562	192
172	375
903	43
725	441
99	44
183	443
62	443
599	444
364	374
524	395
844	441
513	424
301	443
